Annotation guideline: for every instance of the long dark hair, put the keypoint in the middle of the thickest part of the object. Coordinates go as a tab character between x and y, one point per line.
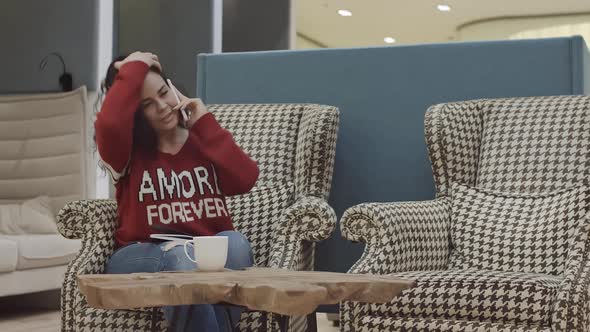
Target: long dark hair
144	136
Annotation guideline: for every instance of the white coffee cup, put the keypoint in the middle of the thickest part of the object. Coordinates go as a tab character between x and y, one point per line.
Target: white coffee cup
210	252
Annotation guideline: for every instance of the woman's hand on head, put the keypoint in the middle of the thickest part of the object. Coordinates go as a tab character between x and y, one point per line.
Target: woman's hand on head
148	58
194	107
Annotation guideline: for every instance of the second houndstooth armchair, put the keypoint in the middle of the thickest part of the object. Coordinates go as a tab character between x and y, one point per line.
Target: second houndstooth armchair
516	169
282	216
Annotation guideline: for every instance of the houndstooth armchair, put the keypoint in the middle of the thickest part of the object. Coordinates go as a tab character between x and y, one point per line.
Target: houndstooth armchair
528	146
282	216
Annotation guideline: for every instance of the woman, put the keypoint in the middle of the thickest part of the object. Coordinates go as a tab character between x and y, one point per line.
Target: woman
171	175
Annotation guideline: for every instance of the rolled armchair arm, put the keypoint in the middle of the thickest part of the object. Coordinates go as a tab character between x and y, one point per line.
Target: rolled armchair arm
87	216
401	236
308	219
93	221
572	308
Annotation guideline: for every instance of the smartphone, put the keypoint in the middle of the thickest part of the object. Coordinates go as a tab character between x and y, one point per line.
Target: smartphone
182	110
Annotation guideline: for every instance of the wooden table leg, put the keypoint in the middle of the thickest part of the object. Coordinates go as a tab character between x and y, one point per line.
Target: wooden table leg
154	319
283	321
312	325
174	321
312	322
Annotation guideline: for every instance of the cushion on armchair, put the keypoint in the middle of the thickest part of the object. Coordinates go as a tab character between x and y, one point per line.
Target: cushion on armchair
257	213
474	295
529	233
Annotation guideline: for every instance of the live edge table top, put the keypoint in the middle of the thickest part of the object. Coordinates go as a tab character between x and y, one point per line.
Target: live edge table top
293	293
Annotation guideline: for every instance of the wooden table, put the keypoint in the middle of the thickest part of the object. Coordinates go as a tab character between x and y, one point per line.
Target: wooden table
284	292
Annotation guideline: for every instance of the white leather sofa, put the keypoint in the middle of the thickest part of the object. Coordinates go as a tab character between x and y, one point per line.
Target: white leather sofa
43	152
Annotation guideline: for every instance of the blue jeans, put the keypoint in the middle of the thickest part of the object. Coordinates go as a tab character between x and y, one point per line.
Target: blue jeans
151	257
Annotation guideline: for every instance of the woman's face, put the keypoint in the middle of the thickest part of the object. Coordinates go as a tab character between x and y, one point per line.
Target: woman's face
157	101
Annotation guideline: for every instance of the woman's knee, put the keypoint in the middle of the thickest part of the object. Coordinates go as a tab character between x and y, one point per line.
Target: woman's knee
236	242
239	253
135	257
175	259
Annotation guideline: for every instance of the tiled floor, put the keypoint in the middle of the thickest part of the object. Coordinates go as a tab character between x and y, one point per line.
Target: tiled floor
44	320
324	325
37	320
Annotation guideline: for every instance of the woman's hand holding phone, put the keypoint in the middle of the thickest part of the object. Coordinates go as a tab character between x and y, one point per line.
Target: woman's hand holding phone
193	108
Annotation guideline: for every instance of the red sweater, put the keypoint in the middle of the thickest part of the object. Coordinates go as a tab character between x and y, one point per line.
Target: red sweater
185	191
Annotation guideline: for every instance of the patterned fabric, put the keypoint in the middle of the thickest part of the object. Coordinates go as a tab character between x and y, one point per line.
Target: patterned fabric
538	144
92	320
257	214
403	236
268	133
399	237
475	295
253	322
315	151
515	232
380	324
94	222
301	224
453	137
520	145
284	140
572	308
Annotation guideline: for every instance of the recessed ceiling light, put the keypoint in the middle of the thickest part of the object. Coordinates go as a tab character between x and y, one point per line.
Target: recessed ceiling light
444	8
344	12
389	40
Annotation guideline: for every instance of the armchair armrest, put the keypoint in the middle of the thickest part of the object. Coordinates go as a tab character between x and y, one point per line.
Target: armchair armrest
572	308
308	219
93	221
79	218
401	236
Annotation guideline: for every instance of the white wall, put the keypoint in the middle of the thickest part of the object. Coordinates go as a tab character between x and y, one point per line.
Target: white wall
139	23
31	29
176	30
526	27
304	43
256	25
103	188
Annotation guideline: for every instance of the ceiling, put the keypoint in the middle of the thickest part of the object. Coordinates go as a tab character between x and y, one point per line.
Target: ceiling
410	21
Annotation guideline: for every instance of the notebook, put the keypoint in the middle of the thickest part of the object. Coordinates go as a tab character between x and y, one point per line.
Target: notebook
171	237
